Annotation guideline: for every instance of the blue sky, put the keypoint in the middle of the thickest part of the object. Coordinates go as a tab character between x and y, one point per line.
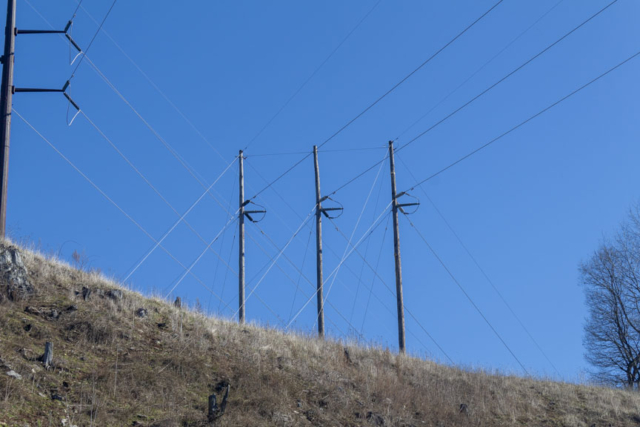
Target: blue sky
208	76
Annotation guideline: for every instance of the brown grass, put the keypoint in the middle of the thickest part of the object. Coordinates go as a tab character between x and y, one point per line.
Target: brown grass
112	368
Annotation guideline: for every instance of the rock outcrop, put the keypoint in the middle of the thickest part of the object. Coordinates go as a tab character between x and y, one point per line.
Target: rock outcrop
14	281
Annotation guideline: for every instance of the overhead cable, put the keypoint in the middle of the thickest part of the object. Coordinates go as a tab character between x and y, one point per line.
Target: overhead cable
519	125
486	276
497	334
514	71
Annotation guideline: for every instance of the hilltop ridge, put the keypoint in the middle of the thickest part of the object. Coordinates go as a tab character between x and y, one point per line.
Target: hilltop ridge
122	359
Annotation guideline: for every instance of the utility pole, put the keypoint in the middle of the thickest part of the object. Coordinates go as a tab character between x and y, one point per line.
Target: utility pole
6	95
396	252
242	212
241	240
319	278
319	212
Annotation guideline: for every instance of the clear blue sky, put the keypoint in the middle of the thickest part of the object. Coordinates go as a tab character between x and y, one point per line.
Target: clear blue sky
529	207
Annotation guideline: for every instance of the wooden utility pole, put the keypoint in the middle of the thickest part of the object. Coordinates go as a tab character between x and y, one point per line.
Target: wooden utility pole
241	240
6	94
242	212
319	278
396	252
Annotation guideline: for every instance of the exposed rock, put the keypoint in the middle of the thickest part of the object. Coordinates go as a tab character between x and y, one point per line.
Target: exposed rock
142	313
15	282
86	293
14	374
115	294
47	357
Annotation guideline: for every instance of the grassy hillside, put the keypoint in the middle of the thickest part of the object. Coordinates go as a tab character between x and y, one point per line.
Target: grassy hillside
121	359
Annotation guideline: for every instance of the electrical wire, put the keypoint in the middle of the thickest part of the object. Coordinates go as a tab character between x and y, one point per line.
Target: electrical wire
375	274
367	233
75	12
144	178
109	199
366	252
155	87
291	153
215	273
404	79
92	39
355	228
519	125
405	308
480	69
299	270
243	303
486	276
226	272
480	94
304	259
387	93
312	75
514	71
467	295
200	257
173	227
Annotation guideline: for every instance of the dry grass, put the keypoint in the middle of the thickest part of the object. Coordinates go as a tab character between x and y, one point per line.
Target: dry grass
112	368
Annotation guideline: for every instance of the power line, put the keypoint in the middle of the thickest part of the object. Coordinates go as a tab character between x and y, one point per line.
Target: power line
388	92
366	252
193	205
199	257
226	272
364	206
110	200
304	259
404	79
296	284
312	75
144	178
486	276
419	183
475	98
276	259
344	150
468	296
151	82
481	68
75	12
375	272
93	38
215	273
366	235
520	67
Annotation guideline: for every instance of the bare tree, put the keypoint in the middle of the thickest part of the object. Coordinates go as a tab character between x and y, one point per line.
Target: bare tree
611	280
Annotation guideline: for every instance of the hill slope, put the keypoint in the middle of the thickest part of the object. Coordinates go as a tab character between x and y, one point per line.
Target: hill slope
124	360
